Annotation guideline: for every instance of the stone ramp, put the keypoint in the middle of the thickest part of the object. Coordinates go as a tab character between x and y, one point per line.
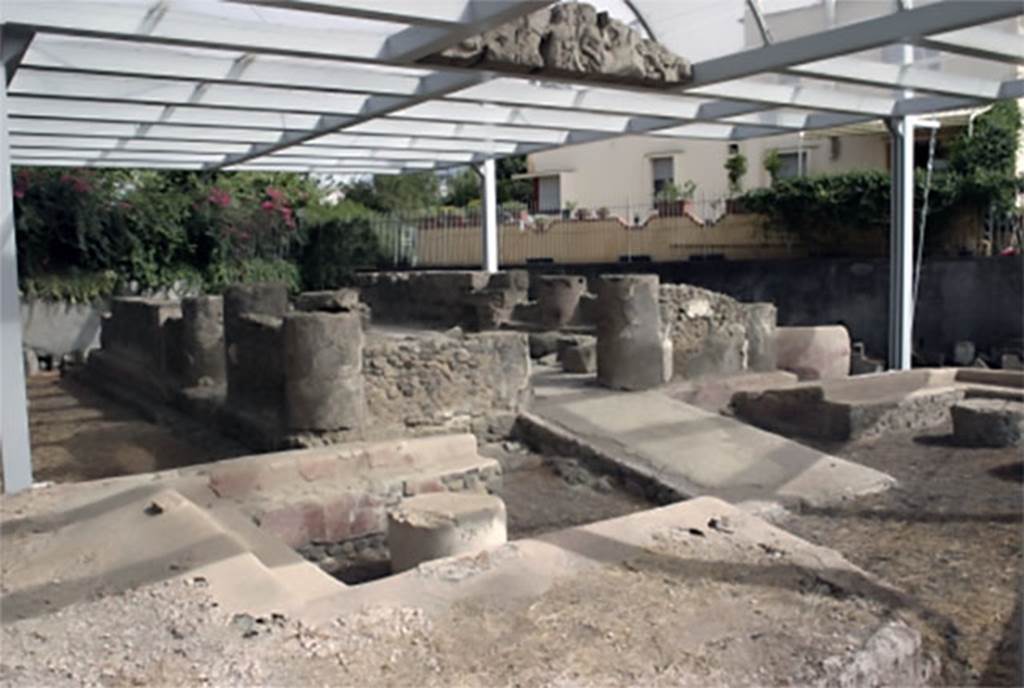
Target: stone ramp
691	451
119	539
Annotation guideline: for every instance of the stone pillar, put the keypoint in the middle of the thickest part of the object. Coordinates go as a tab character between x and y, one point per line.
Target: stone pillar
760	325
323	371
814	353
558	296
202	340
444	524
252	314
634	350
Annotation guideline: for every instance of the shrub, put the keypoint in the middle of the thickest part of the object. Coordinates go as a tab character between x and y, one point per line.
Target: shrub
335	249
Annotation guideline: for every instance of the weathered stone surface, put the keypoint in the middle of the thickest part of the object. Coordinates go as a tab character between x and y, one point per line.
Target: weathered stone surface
443	524
861	363
760	333
202	341
709	331
579	357
543	343
255	364
814	353
1011	362
558	296
988	423
331	301
323	381
634	351
422	384
252	341
474	300
134	330
570	39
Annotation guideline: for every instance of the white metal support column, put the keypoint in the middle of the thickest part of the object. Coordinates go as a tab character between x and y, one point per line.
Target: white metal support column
490	219
17	458
901	244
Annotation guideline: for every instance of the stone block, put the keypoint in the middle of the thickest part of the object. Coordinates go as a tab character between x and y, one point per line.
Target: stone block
433	526
332	301
543	343
988	423
814	353
558	297
1011	362
760	325
634	351
295	523
254	362
964	353
579	357
323	381
202	341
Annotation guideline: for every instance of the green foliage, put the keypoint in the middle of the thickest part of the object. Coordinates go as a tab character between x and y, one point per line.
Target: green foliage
222	275
772	163
74	287
736	167
509	189
985	159
403	193
668	193
336	247
463	188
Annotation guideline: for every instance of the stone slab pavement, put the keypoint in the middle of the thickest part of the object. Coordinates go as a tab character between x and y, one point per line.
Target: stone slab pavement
696	452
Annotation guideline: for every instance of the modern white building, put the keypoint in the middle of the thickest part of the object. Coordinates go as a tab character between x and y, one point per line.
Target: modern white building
625	173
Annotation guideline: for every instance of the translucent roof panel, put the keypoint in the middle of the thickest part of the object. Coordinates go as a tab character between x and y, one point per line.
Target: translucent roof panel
341	85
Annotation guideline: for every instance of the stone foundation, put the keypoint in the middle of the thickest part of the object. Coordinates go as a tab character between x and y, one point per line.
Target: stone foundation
988	423
474	300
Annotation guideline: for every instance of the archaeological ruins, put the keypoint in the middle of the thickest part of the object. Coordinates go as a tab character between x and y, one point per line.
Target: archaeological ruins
587	470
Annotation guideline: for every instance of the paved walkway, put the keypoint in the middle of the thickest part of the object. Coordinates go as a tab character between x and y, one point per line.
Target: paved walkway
696	452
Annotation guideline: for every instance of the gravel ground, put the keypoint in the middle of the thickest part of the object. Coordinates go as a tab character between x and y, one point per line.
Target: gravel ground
949	535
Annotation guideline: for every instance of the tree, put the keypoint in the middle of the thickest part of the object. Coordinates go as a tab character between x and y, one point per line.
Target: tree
401	193
985	158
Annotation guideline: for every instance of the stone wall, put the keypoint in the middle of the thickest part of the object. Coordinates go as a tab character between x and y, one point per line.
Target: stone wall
960	298
474	300
713	334
439	382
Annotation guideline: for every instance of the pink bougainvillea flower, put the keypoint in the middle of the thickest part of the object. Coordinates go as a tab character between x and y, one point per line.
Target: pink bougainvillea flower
267	205
219	197
276	195
19	193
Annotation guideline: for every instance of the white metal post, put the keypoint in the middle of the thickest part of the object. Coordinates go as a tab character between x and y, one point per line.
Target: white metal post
17	457
901	244
490	219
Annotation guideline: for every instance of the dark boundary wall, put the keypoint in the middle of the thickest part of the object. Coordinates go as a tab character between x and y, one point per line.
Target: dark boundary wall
981	299
961	298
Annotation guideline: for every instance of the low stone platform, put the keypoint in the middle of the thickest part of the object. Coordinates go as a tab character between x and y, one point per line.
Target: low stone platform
743	602
854	408
988	423
684	450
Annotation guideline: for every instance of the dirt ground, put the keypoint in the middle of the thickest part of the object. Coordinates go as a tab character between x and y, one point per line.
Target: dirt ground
949	535
79	434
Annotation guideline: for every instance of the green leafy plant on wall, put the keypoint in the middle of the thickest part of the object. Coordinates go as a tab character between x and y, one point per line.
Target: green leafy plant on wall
772	163
736	167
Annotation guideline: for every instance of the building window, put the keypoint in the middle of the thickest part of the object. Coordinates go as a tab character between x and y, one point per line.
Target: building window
664	173
549	194
790	164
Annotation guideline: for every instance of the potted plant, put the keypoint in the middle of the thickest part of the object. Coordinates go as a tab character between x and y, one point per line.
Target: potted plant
567	212
666	201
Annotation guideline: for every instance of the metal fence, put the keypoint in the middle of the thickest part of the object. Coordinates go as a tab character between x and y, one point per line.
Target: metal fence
662	231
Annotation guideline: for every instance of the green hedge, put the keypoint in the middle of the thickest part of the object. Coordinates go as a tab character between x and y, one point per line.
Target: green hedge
84	234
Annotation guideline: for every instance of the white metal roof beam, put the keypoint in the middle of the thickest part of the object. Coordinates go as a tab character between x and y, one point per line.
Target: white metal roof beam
434	86
870	73
980	42
908	26
800	96
437	13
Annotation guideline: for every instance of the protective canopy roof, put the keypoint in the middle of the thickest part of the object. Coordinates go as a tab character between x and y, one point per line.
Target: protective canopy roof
333	86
